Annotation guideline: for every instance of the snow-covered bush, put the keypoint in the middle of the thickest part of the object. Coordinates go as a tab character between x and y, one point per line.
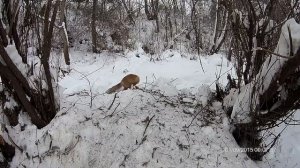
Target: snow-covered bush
272	95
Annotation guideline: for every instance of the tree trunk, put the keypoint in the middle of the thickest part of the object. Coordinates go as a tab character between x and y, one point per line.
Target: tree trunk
13	10
64	32
196	27
3	35
48	33
94	32
7	150
147	12
219	38
34	115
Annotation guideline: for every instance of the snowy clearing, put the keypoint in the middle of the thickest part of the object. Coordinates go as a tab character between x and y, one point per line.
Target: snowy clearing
105	70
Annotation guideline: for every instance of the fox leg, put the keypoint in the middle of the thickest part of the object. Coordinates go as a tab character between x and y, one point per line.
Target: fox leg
133	87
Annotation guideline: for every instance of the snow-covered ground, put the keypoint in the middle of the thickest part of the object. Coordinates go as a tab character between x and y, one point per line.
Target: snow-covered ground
153	126
287	150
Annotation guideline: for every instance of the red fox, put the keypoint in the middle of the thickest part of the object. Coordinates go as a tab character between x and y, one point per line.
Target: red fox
128	81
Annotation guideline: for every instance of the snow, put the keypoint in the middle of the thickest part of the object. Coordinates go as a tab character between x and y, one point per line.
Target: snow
96	139
242	105
10	103
140	128
285	153
16	58
204	94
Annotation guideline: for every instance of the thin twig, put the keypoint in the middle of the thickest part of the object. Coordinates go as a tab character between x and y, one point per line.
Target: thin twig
71	146
148	125
197	115
11	140
276	54
95	70
114	110
112	101
127	156
90	87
